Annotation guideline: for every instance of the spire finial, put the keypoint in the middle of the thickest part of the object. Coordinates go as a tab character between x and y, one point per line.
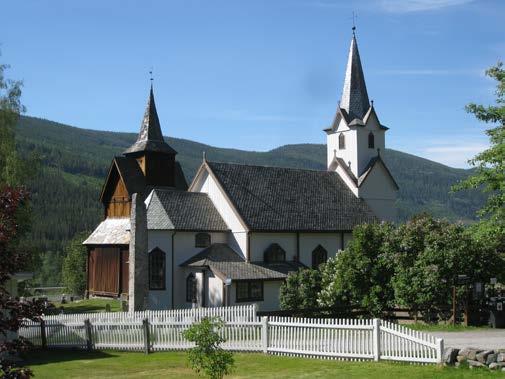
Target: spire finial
354	17
371	102
151	77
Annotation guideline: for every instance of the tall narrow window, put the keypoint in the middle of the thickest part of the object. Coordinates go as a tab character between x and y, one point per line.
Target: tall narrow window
274	253
191	288
319	256
341	141
156	269
202	240
371	141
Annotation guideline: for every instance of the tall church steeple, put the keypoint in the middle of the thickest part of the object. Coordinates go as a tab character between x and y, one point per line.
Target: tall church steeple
354	94
155	157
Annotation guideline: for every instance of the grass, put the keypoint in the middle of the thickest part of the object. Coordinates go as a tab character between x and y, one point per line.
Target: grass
445	327
79	364
90	306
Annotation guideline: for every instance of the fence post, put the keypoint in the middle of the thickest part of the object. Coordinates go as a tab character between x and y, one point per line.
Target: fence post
264	333
440	351
43	334
87	327
145	326
376	339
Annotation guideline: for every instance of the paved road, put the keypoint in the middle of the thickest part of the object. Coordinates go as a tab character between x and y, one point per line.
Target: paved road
482	339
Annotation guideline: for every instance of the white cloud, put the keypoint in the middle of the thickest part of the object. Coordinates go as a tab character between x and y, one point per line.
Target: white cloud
408	6
453	154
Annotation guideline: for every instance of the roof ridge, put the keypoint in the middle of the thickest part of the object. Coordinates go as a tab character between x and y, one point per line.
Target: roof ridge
268	166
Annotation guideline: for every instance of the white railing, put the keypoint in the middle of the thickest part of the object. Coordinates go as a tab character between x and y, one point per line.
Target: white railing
161	330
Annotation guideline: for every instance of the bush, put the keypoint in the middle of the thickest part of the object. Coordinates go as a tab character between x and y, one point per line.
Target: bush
74	265
360	275
300	290
208	357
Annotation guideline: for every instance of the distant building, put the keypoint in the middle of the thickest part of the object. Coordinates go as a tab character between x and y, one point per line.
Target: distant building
235	234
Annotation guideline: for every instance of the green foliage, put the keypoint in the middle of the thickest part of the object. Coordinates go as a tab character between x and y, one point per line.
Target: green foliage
208	357
360	275
490	164
432	254
300	290
74	265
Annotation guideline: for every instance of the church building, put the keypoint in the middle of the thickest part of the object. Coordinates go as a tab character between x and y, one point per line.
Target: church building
236	232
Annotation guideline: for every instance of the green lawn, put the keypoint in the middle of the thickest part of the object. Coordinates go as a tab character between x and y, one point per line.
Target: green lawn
444	327
90	305
108	364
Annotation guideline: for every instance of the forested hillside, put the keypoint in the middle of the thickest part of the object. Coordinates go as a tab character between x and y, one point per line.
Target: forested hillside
74	163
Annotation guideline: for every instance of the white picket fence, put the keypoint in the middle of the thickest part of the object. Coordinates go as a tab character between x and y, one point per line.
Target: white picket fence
147	331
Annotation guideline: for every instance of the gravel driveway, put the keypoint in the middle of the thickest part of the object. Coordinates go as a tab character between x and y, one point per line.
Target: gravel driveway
481	339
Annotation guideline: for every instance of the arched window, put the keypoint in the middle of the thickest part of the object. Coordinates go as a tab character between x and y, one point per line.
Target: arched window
371	141
191	288
274	253
341	141
157	269
202	240
319	255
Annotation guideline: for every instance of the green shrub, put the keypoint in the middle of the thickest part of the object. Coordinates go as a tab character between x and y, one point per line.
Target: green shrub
208	357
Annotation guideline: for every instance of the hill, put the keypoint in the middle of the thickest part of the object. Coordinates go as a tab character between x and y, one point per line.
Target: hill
75	161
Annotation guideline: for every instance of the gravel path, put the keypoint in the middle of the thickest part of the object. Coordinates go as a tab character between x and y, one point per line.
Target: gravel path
482	339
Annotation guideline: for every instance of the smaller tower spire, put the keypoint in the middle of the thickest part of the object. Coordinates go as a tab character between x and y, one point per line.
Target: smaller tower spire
150	137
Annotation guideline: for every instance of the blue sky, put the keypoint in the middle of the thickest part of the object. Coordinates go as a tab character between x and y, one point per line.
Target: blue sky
258	74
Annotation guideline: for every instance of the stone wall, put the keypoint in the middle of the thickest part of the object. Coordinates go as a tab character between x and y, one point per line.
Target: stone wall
471	357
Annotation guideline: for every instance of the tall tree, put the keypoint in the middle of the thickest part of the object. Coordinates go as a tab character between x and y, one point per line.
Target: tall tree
490	164
14	221
74	265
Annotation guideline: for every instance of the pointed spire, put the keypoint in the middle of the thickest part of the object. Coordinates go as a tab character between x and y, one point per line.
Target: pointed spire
354	95
150	137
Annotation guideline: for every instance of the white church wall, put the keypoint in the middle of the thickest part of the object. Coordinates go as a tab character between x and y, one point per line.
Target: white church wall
332	242
271	291
184	247
207	184
214	290
260	241
380	193
347	180
349	154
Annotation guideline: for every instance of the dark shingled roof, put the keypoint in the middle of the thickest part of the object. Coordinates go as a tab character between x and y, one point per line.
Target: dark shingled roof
287	199
150	137
354	94
170	209
224	262
131	173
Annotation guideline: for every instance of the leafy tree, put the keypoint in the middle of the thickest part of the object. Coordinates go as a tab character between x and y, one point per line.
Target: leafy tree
14	222
490	164
360	275
208	357
300	290
74	265
431	255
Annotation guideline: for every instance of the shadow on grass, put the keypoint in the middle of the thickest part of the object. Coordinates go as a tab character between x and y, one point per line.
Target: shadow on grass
41	357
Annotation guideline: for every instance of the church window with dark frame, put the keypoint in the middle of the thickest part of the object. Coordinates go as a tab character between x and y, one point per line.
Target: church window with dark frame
319	256
202	240
371	141
274	253
191	288
157	262
341	141
249	290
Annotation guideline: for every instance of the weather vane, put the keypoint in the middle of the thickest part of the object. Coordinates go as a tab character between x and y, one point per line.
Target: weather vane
151	75
354	17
